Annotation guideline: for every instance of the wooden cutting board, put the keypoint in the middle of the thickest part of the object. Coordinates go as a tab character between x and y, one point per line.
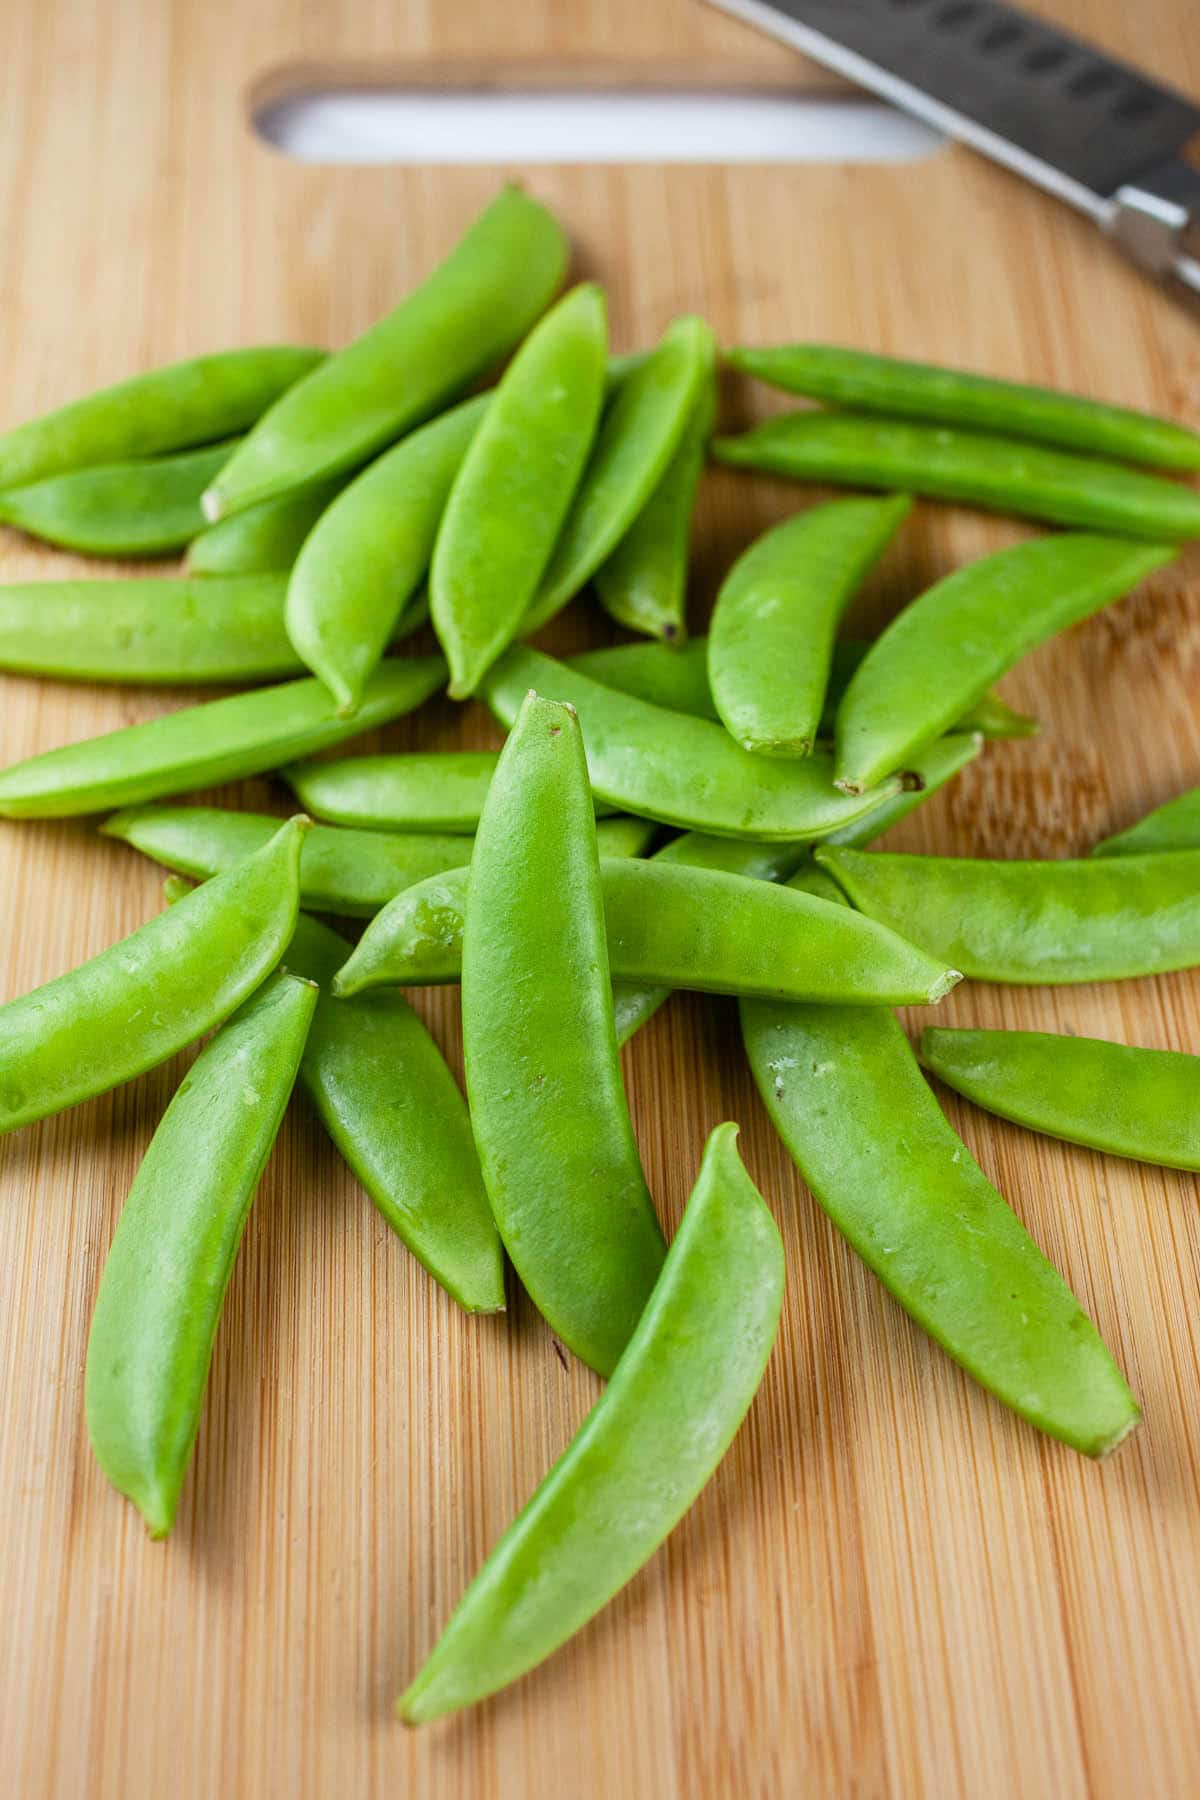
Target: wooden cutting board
892	1587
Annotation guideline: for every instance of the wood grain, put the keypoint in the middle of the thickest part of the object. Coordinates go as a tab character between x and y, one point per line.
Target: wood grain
892	1588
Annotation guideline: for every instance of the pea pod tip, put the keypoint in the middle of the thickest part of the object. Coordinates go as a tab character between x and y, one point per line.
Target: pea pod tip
212	504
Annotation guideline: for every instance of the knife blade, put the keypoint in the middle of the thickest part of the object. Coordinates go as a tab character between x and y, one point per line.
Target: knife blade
1094	131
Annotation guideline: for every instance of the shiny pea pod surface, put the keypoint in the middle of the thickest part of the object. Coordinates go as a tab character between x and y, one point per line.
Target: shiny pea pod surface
844	1092
1144	1104
174	407
474	307
941	653
265	539
220	740
418	790
1174	826
159	989
165	1277
684	771
642	1455
1034	923
999	474
148	508
548	1110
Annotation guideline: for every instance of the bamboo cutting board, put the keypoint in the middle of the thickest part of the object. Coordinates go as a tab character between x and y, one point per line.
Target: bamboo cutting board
892	1588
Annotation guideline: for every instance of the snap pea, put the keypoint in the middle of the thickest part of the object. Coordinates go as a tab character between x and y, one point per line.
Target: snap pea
844	1092
473	308
366	556
770	641
165	1278
1175	826
684	771
512	493
999	474
263	539
148	508
549	1114
419	790
1143	1104
221	740
642	1455
871	383
642	584
638	436
170	408
1036	923
143	999
942	652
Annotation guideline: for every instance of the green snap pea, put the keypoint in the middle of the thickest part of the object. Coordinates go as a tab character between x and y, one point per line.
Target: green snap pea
367	555
148	508
549	1114
770	642
420	790
1143	1104
1034	923
159	989
684	771
517	480
944	650
170	408
998	474
911	390
1175	826
221	740
468	313
642	584
164	1281
639	434
264	539
350	872
642	1455
846	1096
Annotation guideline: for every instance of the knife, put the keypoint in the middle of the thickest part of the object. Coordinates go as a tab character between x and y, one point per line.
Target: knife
1091	130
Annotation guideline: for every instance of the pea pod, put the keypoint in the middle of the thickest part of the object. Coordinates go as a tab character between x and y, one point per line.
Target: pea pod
222	740
844	1092
912	390
148	508
511	495
367	554
638	436
473	308
1036	923
162	987
1175	826
1143	1104
265	539
940	654
170	408
999	474
642	1455
420	790
684	771
548	1110
770	642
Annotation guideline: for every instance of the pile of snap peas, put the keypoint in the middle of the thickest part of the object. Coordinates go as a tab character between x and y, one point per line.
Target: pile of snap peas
664	814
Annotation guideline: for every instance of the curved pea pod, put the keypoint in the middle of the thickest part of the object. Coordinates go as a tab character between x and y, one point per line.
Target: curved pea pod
162	987
548	1111
221	740
419	790
999	474
866	382
1175	826
770	641
165	1278
170	408
366	556
684	771
265	539
516	483
638	436
642	1455
642	584
1034	923
473	308
846	1096
149	508
1144	1104
940	655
